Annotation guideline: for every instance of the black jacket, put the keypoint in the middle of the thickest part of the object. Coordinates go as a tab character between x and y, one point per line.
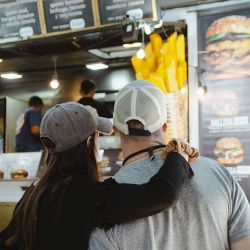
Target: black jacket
101	108
87	204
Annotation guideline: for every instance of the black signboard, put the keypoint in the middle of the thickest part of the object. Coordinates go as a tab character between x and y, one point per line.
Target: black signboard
112	11
19	19
68	14
224	62
166	4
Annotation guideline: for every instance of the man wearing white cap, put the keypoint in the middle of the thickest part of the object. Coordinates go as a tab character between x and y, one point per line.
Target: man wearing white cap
212	211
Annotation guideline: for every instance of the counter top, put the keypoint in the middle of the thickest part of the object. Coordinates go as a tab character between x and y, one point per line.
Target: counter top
12	191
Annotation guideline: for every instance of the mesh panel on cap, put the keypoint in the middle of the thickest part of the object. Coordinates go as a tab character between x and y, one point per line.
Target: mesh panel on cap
146	109
122	111
142	101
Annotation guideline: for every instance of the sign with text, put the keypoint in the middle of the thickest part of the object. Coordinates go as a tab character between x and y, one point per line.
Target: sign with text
19	19
68	14
224	46
112	11
166	4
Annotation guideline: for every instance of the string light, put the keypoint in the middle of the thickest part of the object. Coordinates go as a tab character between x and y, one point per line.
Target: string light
141	53
201	91
54	84
183	90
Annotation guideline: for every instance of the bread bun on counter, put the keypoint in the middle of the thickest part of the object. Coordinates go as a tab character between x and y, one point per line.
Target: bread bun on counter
19	174
1	174
105	161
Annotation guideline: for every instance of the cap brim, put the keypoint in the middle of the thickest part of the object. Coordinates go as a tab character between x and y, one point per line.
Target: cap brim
104	126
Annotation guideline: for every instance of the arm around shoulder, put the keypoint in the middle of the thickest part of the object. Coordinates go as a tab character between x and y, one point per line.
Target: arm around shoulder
126	202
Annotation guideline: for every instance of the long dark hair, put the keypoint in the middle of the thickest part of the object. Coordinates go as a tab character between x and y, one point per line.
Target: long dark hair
57	174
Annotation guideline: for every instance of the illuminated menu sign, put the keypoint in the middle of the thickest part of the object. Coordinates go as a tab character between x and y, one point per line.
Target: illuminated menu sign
112	11
19	20
68	14
225	109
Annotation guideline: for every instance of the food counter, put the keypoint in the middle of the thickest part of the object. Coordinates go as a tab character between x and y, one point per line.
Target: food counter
11	192
18	171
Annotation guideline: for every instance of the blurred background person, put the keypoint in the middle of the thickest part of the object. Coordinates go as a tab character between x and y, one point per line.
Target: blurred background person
88	88
28	127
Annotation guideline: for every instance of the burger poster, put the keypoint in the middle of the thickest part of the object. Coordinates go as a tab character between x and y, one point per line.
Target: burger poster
224	63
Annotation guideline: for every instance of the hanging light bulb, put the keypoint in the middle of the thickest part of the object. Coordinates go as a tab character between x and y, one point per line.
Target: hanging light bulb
183	90
54	84
140	53
201	91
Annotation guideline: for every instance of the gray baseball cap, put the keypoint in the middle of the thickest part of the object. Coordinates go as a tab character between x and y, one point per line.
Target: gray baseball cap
68	124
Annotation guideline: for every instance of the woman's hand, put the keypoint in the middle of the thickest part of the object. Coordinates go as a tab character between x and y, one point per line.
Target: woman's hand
183	148
185	155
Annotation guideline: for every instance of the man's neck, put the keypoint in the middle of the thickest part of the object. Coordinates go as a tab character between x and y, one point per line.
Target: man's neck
129	148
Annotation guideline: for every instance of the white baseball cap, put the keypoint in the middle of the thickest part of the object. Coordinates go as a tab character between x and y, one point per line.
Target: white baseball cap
142	101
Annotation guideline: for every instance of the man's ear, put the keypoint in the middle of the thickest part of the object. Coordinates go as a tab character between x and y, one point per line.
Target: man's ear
164	127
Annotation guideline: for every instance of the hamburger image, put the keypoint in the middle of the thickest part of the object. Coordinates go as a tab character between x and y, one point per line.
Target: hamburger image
19	174
229	151
225	103
228	48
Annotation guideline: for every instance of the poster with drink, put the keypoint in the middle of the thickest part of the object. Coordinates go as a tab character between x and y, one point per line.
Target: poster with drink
224	66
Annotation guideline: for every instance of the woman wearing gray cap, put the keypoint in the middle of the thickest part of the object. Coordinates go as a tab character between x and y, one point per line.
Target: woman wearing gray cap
61	209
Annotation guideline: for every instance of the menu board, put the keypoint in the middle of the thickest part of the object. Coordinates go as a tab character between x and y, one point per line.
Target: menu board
112	11
165	4
19	19
224	47
176	3
68	14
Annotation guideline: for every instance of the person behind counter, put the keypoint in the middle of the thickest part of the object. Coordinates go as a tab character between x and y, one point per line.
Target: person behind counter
28	127
87	91
64	206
